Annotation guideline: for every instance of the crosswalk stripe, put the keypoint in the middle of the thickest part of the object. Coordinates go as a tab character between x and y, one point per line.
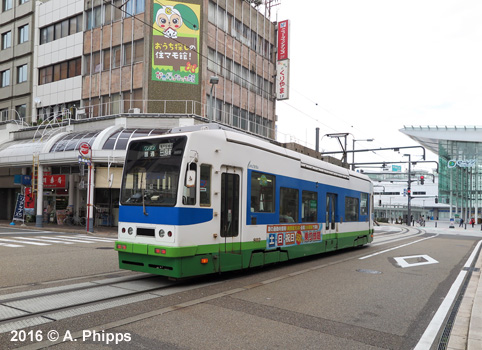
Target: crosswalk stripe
23	242
69	239
11	245
98	239
49	240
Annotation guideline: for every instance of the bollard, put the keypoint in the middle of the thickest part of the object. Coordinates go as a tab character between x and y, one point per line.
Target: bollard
436	224
465	226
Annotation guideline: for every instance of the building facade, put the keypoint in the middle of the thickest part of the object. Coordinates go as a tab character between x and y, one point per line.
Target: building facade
460	166
104	72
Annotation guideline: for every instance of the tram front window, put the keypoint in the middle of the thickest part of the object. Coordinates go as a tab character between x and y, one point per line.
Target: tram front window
151	173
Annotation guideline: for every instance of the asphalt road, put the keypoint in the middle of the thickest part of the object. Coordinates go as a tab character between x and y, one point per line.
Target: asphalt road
353	299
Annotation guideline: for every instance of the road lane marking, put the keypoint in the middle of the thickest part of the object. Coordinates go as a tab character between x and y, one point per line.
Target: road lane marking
49	240
400	246
403	263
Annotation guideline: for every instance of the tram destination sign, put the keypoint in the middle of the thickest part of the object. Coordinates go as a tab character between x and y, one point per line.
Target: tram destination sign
161	150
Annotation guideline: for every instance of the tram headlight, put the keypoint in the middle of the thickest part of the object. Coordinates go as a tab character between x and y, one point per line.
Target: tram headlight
161	233
130	230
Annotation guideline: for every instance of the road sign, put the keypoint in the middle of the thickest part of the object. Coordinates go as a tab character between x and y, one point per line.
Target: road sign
85	150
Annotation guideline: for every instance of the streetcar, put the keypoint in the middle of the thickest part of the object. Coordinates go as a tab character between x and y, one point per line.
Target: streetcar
210	199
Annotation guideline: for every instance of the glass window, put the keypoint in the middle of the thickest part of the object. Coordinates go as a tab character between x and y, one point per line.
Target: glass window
5	78
7	5
151	172
262	192
116	54
288	205
351	209
205	185
189	193
117	11
56	72
65	28
106	59
23	34
309	206
22	2
139	51
96	61
364	204
58	31
22	73
73	25
127	54
64	69
6	40
21	110
72	68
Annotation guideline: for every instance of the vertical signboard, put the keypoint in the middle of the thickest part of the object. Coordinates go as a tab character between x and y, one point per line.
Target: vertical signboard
283	36
283	62
282	80
175	40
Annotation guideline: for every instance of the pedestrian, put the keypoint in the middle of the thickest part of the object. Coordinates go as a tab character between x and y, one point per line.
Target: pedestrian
472	222
461	222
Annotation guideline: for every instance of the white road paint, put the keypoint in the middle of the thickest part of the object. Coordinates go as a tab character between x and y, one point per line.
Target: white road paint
403	263
394	248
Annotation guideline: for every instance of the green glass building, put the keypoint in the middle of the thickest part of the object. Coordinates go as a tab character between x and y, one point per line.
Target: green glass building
459	149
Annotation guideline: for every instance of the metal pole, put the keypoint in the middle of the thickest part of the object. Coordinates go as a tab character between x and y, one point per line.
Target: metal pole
211	117
317	139
409	209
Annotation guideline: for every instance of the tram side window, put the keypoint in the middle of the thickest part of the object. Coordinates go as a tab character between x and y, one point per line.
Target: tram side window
262	192
309	206
189	193
289	199
351	208
205	186
364	204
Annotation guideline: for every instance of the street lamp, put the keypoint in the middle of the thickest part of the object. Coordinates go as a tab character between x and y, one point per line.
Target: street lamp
214	80
353	156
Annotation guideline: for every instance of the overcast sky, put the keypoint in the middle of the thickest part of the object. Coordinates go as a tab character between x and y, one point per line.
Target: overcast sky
370	67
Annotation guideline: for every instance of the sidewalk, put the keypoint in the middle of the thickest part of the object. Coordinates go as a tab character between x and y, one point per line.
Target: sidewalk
98	230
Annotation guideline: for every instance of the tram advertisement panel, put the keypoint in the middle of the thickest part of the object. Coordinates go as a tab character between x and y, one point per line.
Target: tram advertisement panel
175	38
293	234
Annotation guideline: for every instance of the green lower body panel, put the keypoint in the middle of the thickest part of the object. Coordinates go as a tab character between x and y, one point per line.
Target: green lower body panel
188	262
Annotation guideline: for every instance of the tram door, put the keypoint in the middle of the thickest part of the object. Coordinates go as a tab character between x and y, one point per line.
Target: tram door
230	230
331	213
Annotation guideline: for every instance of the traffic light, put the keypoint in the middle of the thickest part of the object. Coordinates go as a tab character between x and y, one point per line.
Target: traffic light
436	199
422	179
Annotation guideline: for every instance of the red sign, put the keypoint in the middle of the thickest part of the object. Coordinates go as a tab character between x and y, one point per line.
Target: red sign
54	181
84	149
29	198
283	31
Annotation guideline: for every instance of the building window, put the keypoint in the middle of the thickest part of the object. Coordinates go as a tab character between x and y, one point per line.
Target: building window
61	29
60	71
23	34
20	2
6	40
3	114
21	111
7	5
22	73
134	7
5	78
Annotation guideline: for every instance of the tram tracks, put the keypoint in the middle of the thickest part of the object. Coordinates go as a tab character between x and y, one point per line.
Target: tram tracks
19	310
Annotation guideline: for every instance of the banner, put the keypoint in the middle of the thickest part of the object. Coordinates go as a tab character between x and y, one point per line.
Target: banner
19	207
175	40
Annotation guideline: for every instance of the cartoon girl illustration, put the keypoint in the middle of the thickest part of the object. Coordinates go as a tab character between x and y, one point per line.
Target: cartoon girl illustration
171	18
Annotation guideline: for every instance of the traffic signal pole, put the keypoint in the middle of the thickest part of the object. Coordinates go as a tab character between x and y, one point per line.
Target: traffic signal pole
409	190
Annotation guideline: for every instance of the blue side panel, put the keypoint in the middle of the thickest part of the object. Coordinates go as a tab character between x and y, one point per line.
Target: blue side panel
165	215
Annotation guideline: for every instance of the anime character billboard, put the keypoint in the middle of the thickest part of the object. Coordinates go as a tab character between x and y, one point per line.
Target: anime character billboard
175	36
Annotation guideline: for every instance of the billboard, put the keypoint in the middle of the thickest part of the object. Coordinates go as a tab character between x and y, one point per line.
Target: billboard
175	42
283	35
282	79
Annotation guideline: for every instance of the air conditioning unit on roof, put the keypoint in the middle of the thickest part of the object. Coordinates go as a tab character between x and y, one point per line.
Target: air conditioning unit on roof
134	110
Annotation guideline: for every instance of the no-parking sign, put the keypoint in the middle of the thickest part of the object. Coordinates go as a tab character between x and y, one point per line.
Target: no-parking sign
85	150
